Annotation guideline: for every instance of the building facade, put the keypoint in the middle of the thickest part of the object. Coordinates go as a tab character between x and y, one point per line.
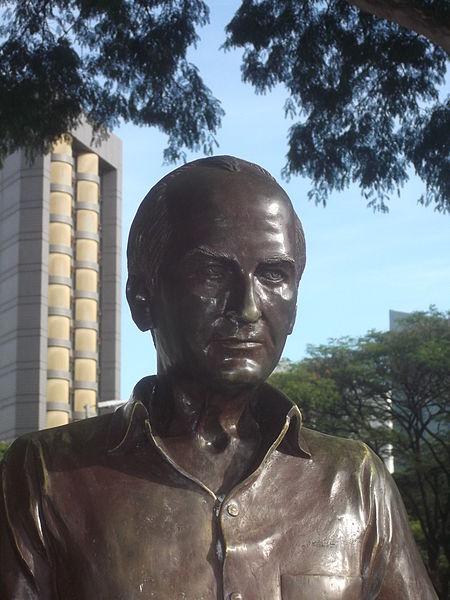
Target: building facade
60	228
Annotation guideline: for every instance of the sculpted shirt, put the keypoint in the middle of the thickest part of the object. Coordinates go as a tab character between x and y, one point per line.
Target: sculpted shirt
97	510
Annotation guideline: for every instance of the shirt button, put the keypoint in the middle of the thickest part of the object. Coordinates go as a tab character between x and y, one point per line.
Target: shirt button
233	511
236	596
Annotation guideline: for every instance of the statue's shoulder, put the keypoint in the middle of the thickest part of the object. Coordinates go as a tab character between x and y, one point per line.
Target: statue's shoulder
340	453
89	436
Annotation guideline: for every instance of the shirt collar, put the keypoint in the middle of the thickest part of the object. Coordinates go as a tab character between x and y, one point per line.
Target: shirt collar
272	410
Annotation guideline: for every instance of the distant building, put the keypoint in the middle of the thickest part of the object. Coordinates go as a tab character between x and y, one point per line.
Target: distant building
283	366
59	283
395	324
395	319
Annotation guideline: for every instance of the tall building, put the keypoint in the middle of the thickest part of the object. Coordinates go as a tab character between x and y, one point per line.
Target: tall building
59	283
395	319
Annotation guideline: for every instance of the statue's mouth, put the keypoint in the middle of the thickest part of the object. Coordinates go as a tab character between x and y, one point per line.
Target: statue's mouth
238	342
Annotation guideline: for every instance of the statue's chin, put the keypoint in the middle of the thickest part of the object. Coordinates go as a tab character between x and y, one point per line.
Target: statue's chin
235	375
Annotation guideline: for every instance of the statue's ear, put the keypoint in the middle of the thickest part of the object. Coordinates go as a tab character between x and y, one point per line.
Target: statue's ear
139	301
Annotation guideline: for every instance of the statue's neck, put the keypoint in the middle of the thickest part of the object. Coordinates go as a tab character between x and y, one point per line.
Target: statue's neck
198	411
211	435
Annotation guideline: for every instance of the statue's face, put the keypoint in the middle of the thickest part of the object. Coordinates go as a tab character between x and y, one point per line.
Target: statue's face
227	297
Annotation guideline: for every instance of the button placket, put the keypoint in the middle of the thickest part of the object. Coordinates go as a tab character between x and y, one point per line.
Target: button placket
229	512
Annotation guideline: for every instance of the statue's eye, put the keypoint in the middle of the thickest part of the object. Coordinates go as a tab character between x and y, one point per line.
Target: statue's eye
272	275
213	272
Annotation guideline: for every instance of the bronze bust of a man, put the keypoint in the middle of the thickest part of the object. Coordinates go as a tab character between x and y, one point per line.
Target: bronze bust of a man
205	485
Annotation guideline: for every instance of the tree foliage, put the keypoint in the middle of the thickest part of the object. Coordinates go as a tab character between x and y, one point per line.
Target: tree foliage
64	60
366	90
3	448
392	390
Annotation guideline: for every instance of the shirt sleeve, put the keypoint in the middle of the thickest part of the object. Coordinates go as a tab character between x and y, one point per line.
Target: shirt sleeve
25	569
394	566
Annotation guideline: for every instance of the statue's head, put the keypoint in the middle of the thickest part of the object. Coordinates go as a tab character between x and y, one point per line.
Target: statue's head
215	256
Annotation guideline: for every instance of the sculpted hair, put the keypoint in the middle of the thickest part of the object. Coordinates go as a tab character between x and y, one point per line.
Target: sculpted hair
151	229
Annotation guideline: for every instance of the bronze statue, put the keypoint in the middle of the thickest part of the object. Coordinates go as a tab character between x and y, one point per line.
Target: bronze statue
205	485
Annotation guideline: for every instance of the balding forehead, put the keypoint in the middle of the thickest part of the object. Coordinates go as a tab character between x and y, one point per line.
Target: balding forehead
233	220
202	188
183	198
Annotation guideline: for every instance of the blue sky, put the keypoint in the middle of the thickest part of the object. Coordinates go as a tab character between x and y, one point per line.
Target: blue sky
360	264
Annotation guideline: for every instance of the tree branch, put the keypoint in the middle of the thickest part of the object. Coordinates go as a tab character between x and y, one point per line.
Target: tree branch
401	12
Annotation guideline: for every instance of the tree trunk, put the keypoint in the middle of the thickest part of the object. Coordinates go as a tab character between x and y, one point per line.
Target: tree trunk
413	18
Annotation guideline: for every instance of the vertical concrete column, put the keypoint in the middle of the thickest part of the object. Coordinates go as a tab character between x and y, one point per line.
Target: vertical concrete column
86	324
110	288
60	285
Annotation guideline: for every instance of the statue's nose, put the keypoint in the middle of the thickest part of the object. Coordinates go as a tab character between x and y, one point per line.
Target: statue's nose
250	307
247	307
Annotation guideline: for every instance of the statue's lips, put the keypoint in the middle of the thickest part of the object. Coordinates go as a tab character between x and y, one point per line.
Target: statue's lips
238	343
